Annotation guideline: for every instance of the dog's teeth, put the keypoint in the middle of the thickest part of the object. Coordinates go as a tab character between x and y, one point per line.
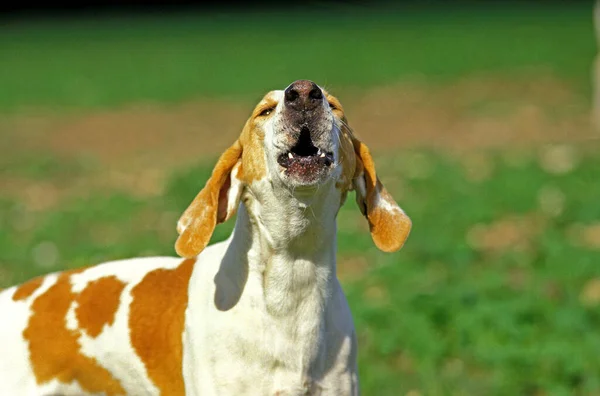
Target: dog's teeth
290	155
322	155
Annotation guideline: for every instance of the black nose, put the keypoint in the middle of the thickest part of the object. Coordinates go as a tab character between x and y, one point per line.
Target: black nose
303	95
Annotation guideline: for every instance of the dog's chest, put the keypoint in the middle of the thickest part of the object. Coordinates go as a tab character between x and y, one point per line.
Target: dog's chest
274	358
248	350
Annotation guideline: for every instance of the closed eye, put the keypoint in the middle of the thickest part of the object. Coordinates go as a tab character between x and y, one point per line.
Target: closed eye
332	106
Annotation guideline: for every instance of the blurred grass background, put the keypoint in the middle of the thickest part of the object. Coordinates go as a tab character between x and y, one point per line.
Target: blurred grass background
108	61
109	125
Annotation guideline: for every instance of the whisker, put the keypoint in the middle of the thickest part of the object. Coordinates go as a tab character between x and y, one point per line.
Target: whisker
347	126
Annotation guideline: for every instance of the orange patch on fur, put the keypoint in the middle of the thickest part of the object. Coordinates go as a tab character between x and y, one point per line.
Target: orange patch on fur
254	166
347	159
27	289
54	350
156	321
199	220
97	304
347	154
389	228
389	225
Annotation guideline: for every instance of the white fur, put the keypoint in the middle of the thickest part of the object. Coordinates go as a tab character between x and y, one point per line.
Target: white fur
235	190
16	375
266	313
112	348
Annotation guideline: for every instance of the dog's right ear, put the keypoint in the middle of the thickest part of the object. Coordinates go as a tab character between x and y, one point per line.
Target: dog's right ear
216	203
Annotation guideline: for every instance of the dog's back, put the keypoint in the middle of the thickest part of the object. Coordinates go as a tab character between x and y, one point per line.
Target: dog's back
111	329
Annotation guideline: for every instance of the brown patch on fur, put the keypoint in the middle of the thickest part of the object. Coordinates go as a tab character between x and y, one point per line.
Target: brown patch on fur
253	156
199	220
389	225
347	160
254	165
209	207
156	322
347	155
27	289
97	304
54	350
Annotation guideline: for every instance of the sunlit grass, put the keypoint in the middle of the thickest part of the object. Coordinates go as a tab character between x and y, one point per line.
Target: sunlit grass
496	291
92	62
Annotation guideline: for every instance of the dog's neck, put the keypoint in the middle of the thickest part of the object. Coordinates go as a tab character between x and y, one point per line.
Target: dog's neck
283	246
292	246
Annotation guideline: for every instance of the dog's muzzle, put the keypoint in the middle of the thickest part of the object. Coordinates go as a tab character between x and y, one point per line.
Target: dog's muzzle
309	127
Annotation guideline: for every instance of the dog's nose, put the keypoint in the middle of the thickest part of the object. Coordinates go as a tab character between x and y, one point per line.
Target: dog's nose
303	95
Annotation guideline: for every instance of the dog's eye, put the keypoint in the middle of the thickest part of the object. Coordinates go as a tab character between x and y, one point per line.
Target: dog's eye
266	112
332	106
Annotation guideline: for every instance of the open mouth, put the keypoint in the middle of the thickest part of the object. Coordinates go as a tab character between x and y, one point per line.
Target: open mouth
304	158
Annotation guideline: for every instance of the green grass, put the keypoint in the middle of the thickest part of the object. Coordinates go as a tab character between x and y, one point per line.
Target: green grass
442	315
98	62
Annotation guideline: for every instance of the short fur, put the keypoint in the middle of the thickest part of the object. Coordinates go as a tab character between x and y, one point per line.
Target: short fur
261	313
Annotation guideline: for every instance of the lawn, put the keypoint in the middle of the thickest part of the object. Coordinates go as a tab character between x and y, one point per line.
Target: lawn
497	291
117	60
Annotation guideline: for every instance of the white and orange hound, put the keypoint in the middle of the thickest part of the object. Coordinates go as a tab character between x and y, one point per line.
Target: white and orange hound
261	313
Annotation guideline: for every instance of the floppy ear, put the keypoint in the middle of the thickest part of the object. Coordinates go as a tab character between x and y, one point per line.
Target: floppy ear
216	203
388	223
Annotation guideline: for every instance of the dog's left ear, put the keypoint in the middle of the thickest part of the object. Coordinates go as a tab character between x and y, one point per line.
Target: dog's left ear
216	203
388	223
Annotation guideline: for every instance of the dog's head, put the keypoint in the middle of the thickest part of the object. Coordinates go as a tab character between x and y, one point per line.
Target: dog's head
298	140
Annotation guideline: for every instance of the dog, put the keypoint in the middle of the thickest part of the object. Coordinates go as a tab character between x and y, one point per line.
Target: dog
261	313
